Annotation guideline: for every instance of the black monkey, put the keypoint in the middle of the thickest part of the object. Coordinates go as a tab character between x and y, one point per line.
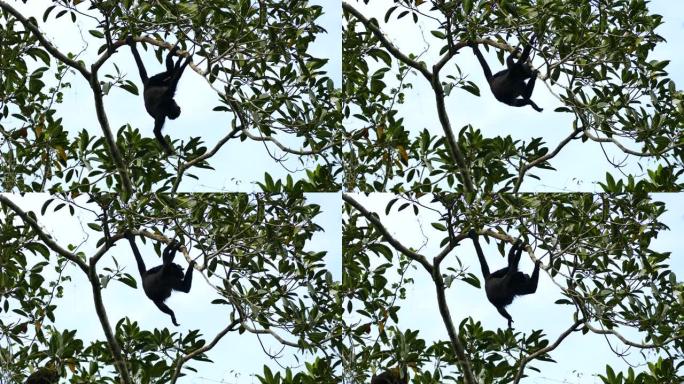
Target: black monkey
503	285
158	91
391	376
44	375
160	280
508	84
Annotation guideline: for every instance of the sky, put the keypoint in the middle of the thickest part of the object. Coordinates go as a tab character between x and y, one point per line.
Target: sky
529	312
193	310
579	165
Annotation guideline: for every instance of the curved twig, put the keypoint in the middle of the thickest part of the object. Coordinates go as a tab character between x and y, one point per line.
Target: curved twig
94	85
373	28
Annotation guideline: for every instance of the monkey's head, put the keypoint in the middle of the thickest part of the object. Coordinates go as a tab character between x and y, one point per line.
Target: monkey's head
173	110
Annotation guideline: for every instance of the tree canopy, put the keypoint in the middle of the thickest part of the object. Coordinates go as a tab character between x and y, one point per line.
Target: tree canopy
252	251
597	250
251	60
607	96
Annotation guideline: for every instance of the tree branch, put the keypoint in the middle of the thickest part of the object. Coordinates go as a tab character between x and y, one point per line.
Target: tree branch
627	150
114	347
629	342
94	85
373	28
109	136
385	233
42	235
33	28
544	158
456	344
542	351
452	143
205	348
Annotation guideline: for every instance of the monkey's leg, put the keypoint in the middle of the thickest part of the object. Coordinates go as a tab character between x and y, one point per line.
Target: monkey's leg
170	252
505	314
158	124
165	308
514	255
535	106
510	60
524	102
527	94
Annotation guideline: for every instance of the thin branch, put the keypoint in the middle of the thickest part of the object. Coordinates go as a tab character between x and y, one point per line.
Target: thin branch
42	235
456	344
373	218
107	54
269	332
203	349
33	28
283	147
185	166
447	56
373	28
544	158
629	342
630	151
244	122
449	247
115	348
542	351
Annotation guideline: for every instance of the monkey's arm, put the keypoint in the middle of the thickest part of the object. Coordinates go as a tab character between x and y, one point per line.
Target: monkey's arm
514	255
480	255
138	258
483	63
187	279
139	63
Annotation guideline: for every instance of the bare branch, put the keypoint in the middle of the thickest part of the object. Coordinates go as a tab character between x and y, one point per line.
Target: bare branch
544	158
542	351
632	343
385	233
182	360
373	28
33	28
119	360
42	235
630	151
